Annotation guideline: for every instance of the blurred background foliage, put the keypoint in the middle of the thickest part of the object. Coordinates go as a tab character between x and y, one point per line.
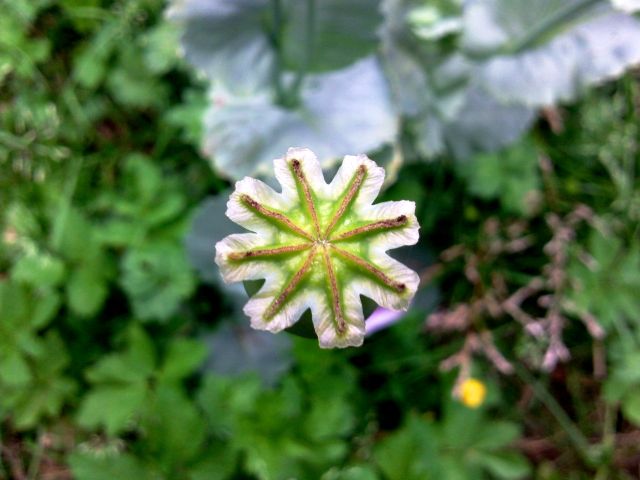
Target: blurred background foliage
512	124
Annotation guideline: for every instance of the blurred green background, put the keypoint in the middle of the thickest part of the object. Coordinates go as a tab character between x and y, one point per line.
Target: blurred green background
513	125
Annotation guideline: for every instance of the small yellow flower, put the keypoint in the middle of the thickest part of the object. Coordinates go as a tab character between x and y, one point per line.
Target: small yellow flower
472	392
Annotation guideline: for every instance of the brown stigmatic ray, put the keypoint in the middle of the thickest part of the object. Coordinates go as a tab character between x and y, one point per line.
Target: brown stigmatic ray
280	300
372	269
306	190
341	326
272	214
374	227
268	252
356	183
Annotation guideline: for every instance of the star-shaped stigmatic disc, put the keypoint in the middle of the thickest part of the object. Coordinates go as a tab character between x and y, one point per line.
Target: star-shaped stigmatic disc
319	246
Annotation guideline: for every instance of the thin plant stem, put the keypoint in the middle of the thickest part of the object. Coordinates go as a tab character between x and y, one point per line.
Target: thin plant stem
36	459
276	41
564	15
576	437
3	470
608	440
309	37
60	223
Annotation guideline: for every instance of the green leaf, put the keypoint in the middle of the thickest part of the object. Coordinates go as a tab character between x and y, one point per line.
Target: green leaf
461	426
506	465
498	434
40	401
356	472
13	303
631	405
81	22
160	52
132	84
511	175
49	389
90	62
39	269
46	306
264	425
187	116
173	427
120	233
171	205
156	278
86	291
112	407
604	249
218	463
183	357
410	453
133	366
340	113
14	370
144	177
22	219
108	466
608	289
75	234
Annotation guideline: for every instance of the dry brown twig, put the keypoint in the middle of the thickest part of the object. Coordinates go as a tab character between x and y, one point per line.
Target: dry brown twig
494	300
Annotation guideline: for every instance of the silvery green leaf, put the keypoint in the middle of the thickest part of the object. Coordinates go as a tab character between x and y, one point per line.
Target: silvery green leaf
342	32
628	6
208	226
442	102
494	26
402	60
485	125
479	123
447	109
550	50
429	130
238	349
339	112
226	40
407	80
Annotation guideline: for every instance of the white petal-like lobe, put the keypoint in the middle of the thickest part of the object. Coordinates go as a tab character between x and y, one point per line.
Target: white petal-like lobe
319	247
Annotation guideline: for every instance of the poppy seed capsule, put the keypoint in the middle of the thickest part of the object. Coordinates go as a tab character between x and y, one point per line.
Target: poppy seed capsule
319	246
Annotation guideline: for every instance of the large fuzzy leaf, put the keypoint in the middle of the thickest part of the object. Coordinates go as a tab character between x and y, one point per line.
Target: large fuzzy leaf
236	42
485	125
339	112
333	35
539	53
226	40
238	349
510	26
449	112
